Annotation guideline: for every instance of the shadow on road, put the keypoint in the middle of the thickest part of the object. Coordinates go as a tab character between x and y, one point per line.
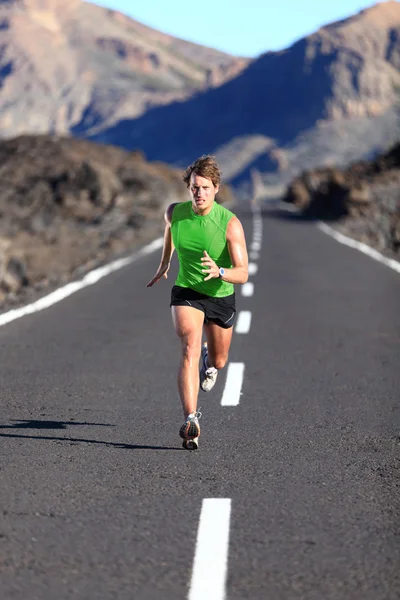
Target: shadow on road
84	441
278	210
277	213
312	214
34	424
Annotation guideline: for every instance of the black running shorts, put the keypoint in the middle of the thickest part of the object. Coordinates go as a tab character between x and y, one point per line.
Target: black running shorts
220	311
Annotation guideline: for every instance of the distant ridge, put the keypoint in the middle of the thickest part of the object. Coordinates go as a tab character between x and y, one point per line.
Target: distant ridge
70	64
331	97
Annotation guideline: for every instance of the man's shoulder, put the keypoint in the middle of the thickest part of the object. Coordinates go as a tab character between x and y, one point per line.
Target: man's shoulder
225	212
234	228
175	209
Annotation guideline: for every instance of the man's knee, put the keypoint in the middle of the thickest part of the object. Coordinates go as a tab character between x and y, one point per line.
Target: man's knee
220	362
191	347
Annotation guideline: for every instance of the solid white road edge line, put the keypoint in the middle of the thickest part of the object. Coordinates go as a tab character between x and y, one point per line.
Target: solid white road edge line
343	239
233	385
89	279
243	322
211	555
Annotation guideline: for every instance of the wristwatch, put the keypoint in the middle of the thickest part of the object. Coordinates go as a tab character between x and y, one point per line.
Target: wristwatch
221	272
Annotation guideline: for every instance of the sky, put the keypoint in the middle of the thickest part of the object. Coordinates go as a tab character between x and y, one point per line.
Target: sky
226	25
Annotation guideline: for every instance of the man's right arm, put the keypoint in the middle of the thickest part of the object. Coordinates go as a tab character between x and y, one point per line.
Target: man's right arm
168	248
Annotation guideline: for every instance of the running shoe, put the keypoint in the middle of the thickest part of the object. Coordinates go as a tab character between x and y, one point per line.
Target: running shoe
208	375
191	444
190	431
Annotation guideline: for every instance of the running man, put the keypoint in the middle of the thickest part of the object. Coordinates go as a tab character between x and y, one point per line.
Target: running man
211	248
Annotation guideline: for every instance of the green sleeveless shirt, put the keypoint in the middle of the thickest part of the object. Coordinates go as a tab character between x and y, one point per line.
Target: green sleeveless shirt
192	234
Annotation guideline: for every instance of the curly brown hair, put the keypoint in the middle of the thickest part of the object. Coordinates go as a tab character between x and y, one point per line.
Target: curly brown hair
205	166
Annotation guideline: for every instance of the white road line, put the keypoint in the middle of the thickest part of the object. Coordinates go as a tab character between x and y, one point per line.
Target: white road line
211	556
248	289
257	238
253	268
243	322
233	385
89	279
343	239
288	207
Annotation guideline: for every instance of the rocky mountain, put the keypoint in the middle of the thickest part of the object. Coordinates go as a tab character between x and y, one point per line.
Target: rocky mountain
69	205
69	65
362	201
330	98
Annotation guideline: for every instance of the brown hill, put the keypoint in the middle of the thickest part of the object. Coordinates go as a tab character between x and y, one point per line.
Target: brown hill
68	64
68	205
332	97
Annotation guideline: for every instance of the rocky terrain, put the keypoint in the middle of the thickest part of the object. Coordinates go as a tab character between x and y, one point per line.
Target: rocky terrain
362	201
67	206
68	66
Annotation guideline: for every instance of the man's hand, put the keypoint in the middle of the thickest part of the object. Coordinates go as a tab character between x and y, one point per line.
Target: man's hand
211	268
161	272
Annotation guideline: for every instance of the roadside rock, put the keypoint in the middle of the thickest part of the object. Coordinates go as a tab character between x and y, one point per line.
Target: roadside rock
363	200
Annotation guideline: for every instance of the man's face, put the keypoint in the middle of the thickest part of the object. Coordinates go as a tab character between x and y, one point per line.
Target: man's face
202	192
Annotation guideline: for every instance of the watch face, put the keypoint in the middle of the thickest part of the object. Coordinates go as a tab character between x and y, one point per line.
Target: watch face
221	272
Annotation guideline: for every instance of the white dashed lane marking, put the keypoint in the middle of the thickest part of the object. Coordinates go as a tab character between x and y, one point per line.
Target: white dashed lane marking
243	322
256	246
233	385
248	289
211	556
253	268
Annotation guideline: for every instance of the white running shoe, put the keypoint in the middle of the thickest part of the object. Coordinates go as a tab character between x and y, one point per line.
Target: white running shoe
190	431
208	375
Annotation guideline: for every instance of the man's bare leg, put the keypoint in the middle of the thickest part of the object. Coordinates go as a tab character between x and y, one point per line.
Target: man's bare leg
218	343
188	322
214	354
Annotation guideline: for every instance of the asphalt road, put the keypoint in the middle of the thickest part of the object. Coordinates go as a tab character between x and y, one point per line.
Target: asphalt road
99	501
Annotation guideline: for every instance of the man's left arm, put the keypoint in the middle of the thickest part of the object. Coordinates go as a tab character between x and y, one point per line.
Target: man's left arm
236	241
